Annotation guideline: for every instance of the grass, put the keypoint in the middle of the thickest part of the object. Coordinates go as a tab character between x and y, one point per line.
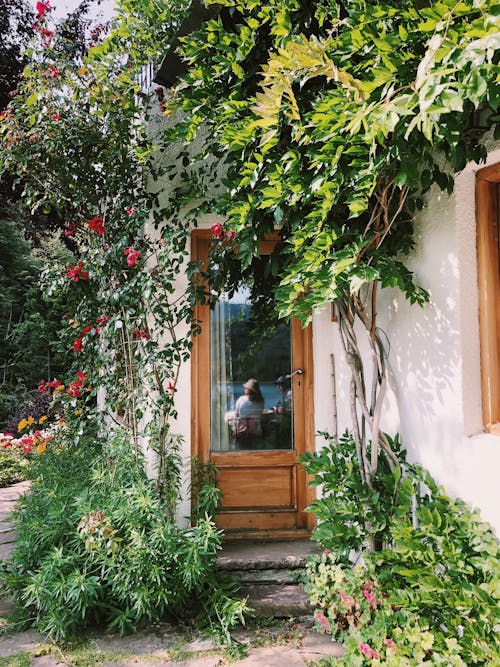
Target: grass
18	660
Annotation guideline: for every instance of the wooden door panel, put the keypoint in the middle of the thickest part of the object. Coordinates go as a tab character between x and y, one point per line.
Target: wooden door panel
257	487
253	521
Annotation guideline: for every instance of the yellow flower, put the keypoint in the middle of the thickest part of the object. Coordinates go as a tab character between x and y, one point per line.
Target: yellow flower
22	424
42	447
59	388
30	420
78	412
42	419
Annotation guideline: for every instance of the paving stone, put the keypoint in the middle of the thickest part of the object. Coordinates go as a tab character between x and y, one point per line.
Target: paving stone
47	661
280	601
158	637
199	645
13	492
6	527
7	537
261	555
267	576
279	656
205	661
315	645
6	550
20	642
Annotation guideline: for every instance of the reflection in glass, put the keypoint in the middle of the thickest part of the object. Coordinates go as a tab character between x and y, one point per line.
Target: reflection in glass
251	393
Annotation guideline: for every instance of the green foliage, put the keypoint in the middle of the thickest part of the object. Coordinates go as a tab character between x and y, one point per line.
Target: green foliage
206	495
334	118
353	607
434	591
12	467
29	319
445	569
348	512
94	544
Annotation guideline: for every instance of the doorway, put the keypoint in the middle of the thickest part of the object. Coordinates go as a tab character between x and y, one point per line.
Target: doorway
252	413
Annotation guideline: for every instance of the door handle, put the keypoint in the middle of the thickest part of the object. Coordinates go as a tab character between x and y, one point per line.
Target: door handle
297	371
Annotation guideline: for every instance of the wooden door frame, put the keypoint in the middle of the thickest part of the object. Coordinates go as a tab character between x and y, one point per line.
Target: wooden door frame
487	234
200	395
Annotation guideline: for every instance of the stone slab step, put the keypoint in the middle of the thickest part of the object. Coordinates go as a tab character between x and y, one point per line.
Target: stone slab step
285	601
260	555
268	576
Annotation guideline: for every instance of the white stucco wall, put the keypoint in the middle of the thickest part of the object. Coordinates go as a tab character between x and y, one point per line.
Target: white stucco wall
434	359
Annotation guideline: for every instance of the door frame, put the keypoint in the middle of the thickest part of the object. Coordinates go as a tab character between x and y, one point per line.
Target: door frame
303	402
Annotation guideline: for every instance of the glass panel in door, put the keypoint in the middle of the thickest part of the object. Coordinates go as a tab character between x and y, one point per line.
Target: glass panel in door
251	403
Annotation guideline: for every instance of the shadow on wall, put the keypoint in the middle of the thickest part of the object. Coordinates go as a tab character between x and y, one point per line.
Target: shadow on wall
424	360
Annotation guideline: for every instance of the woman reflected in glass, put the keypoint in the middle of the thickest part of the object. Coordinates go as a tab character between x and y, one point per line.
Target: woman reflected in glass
248	411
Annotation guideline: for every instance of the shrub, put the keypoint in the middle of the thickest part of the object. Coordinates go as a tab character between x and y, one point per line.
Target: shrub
94	544
444	567
434	592
353	608
12	467
348	511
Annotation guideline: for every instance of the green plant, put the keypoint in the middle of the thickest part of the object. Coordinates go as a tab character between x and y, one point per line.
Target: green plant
434	591
12	466
443	566
205	493
350	515
19	660
353	607
94	543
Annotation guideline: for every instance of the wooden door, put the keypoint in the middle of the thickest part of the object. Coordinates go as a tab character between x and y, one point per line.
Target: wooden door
265	490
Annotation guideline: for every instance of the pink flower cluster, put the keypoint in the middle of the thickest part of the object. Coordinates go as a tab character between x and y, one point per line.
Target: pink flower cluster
44	386
368	651
347	599
141	333
219	232
132	256
368	588
101	321
75	387
27	443
52	72
390	645
323	621
42	8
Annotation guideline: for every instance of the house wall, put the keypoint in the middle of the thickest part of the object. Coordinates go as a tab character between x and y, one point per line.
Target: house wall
434	400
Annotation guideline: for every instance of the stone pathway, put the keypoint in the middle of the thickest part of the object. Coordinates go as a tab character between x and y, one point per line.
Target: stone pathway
8	497
287	644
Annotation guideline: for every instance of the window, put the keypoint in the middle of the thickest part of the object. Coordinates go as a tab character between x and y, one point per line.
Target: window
488	257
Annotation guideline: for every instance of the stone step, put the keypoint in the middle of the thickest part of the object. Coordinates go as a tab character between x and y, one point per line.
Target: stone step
260	555
278	601
267	576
